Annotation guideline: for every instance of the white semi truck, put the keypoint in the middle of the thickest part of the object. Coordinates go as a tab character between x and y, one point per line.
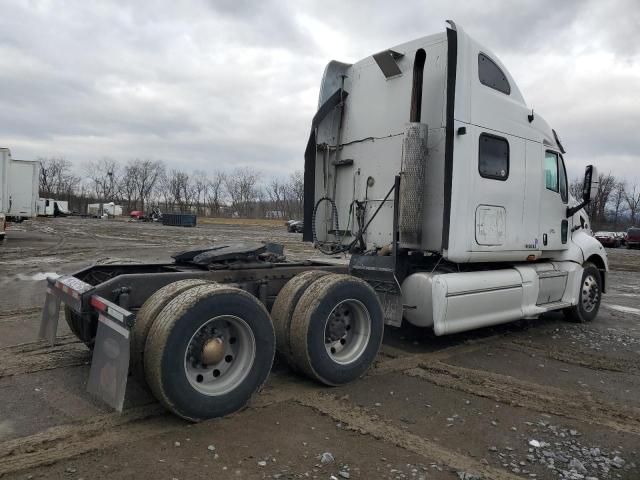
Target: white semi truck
480	228
18	186
424	163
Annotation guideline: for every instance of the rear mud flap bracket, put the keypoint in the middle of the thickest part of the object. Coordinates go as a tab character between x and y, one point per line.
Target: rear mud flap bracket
110	361
49	318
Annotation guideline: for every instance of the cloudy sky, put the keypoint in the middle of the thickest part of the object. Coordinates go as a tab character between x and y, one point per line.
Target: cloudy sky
216	84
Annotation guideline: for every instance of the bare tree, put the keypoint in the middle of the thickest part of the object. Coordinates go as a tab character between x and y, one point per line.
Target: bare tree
104	177
180	189
56	178
598	204
215	195
575	188
148	173
295	189
632	197
129	186
165	191
617	206
277	193
200	187
242	187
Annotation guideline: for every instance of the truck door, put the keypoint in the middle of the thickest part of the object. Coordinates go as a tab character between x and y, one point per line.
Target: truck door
554	224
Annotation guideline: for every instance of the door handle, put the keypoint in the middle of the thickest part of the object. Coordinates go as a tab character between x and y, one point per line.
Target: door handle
544	239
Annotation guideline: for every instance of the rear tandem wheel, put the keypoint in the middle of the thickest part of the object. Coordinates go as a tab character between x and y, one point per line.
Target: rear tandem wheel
284	306
336	329
208	351
147	315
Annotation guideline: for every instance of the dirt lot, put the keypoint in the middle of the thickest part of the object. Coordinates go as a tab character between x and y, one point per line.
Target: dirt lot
532	399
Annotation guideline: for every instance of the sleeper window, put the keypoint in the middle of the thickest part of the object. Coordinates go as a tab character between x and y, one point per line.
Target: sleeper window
493	157
490	75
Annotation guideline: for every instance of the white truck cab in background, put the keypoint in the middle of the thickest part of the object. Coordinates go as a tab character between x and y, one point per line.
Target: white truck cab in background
19	181
425	162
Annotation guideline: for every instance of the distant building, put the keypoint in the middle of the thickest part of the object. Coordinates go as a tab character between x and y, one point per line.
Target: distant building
274	214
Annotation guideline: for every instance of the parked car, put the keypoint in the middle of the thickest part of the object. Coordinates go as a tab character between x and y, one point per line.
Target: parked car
137	215
608	239
295	226
623	238
633	237
3	226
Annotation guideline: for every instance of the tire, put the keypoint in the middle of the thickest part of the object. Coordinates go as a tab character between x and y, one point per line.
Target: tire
343	308
590	285
284	306
84	330
146	316
174	341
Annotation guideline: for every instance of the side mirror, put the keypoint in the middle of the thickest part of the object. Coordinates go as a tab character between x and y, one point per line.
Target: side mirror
591	183
589	189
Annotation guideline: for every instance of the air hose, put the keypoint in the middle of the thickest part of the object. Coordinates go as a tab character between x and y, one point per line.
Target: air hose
337	247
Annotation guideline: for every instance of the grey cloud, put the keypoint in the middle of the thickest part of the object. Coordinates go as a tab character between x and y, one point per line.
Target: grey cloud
216	84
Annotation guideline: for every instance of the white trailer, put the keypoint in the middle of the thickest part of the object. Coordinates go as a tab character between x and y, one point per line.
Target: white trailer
18	186
100	209
49	207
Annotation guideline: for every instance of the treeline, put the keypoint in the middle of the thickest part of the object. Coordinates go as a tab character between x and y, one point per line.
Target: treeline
147	184
616	205
246	192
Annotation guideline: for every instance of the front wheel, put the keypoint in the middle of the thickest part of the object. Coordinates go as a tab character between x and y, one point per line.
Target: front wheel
589	297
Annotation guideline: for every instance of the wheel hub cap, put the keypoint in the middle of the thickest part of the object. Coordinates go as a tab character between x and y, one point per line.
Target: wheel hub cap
347	331
220	355
213	351
590	293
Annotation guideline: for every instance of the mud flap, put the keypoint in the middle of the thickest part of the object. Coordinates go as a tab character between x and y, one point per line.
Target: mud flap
110	362
49	319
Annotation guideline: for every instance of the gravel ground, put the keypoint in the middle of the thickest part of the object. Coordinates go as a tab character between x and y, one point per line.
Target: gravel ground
534	399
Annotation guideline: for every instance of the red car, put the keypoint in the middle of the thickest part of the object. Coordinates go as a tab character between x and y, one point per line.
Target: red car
633	237
137	214
608	239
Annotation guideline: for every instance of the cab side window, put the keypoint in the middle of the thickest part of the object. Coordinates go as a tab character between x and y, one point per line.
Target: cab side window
555	174
551	171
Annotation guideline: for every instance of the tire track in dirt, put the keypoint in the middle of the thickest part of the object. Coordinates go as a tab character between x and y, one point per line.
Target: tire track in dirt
579	357
104	431
357	419
109	430
70	440
391	359
579	406
8	315
38	356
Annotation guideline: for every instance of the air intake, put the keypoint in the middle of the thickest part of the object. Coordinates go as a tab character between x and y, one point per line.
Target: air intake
414	162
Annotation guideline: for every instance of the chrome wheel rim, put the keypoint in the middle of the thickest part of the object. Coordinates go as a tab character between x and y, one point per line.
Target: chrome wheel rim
236	344
590	294
347	331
